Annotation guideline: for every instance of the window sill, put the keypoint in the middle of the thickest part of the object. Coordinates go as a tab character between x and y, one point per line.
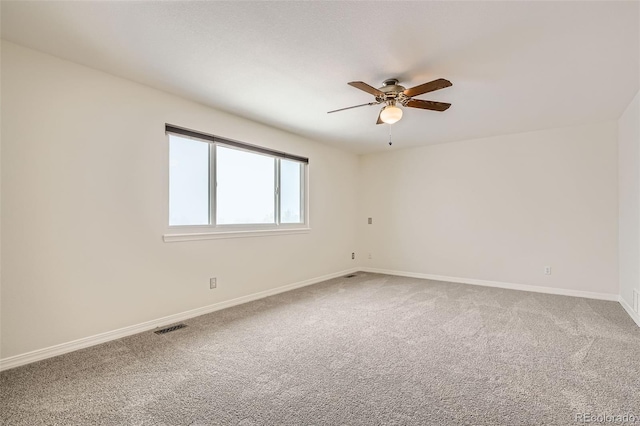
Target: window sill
196	236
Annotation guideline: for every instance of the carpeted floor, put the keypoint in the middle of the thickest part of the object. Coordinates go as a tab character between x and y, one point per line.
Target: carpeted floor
372	349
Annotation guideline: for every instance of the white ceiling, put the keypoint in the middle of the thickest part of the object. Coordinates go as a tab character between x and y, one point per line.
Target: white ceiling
515	66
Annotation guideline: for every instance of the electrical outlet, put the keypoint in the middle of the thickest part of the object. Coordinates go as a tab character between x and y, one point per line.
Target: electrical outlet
547	270
636	301
370	221
353	255
369	256
213	283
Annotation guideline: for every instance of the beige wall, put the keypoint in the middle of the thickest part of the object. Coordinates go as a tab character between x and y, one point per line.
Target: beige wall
629	204
84	207
498	209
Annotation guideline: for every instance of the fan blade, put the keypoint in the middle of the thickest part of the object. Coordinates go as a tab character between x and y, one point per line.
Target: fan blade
364	86
380	119
355	106
434	106
438	84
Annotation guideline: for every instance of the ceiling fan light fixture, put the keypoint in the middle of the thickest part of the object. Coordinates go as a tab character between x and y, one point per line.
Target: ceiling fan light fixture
392	94
391	114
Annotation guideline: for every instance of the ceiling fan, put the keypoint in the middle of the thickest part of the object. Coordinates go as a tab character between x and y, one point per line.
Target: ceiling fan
392	94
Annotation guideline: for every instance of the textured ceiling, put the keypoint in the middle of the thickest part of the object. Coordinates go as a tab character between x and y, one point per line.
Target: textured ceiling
515	66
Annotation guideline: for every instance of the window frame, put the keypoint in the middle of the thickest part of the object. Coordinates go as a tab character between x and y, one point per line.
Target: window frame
213	230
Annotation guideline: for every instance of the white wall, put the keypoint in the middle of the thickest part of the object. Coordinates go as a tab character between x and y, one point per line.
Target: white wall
629	204
84	206
498	209
0	199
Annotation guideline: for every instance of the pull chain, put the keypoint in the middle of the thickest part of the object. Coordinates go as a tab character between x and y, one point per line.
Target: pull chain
390	143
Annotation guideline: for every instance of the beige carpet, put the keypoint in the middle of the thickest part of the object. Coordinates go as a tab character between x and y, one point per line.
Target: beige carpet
368	350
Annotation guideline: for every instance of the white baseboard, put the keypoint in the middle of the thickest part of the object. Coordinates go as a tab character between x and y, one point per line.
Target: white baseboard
510	286
630	311
85	342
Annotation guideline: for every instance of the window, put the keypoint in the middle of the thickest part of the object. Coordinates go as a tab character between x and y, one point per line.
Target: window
188	181
246	187
220	185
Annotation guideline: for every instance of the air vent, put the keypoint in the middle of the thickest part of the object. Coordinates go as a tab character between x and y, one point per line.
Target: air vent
350	276
170	329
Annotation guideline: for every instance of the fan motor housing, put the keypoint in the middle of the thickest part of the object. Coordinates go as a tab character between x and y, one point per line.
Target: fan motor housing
391	88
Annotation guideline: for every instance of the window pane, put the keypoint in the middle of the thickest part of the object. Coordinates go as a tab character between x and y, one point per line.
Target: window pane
245	192
290	194
188	181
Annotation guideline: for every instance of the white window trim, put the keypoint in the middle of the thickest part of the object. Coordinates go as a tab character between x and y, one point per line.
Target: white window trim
217	235
178	233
